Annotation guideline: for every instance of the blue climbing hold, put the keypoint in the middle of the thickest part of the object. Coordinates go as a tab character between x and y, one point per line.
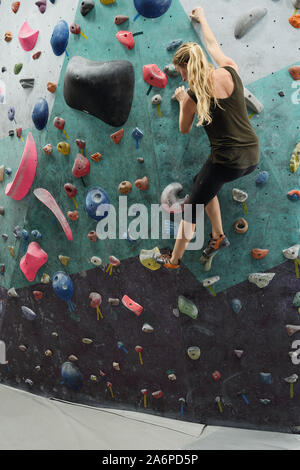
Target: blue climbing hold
236	305
152	8
174	44
36	234
137	135
262	178
60	37
28	313
72	377
40	114
63	287
97	203
265	377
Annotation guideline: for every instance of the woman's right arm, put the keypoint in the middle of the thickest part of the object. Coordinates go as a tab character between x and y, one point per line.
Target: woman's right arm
211	43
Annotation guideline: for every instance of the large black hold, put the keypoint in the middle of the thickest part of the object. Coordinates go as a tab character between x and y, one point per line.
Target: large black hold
103	89
86	6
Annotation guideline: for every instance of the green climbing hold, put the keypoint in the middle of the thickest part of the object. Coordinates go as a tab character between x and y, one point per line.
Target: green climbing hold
18	68
296	301
187	307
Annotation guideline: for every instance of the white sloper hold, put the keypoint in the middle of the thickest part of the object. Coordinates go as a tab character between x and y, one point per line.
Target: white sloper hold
252	102
239	195
261	279
247	20
210	281
292	252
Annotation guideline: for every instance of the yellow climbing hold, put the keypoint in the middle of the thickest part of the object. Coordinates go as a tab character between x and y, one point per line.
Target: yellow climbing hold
107	2
147	258
295	159
64	148
64	259
11	251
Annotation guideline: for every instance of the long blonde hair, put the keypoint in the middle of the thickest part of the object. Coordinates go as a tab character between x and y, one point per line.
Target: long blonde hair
199	78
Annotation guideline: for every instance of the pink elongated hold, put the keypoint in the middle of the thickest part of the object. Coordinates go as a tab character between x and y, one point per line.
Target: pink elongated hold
132	305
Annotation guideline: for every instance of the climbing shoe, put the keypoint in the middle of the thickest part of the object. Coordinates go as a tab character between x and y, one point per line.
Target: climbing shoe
214	245
164	260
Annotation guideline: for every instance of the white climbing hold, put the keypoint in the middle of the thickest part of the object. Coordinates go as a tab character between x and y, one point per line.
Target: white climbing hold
261	279
239	195
292	252
291	379
12	292
96	261
296	3
238	353
146	328
45	279
210	281
252	102
157	99
194	352
247	20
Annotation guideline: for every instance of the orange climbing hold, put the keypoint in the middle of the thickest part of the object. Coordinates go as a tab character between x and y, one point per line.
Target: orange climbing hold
295	72
257	253
96	157
15	6
117	136
295	20
142	183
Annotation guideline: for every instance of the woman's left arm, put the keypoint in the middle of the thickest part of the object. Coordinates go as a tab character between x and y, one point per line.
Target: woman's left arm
187	110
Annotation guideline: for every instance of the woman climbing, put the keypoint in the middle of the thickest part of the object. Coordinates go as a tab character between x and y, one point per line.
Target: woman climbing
216	96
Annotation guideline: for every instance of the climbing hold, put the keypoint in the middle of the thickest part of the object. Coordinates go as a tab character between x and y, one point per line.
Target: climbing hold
238	353
92	235
294	195
8	36
45	279
239	195
117	136
73	215
147	258
23	347
71	192
4	235
18	68
96	261
72	376
247	20
81	166
139	350
137	134
292	329
291	380
176	312
95	200
296	3
12	292
292	252
81	144
60	37
27	37
262	178
109	386
294	20
266	377
48	353
154	76
40	114
295	159
242	394
116	366
142	183
24	177
51	87
64	259
146	328
96	300
125	187
170	200
15	6
36	55
187	307
63	148
121	346
28	313
113	302
11	113
93	378
17	232
75	28
27	83
174	44
194	352
144	392
95	157
107	2
140	159
59	123
126	38
11	251
8	171
103	89
63	287
209	282
113	261
152	8
258	253
241	226
87	340
19	132
261	279
86	6
48	149
42	5
2	168
216	375
33	260
28	382
2	211
37	294
171	375
119	19
73	358
157	394
170	70
47	199
252	102
296	301
236	305
295	71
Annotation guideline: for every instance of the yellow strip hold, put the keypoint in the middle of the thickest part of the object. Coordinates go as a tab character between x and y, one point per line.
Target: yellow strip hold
291	390
76	205
220	407
296	267
83	35
99	313
212	291
107	2
251	115
245	208
158	110
141	360
65	134
145	401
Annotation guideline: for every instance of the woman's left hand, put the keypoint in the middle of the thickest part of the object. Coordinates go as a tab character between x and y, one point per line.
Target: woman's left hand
180	93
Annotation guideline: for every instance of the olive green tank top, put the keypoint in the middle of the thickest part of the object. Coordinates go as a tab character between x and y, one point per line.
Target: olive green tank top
232	139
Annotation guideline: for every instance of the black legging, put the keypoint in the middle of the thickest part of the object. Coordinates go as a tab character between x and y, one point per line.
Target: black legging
209	181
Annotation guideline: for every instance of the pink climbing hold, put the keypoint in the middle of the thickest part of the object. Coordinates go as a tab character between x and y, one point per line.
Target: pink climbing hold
23	180
27	37
81	166
131	305
154	76
126	38
33	260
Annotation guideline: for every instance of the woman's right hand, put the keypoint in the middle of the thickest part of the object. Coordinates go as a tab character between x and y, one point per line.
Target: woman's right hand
197	14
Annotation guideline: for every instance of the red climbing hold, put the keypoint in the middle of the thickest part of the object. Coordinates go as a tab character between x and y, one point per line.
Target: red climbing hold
142	183
131	305
126	38
81	166
15	6
75	28
216	375
37	294
154	76
258	253
117	136
295	72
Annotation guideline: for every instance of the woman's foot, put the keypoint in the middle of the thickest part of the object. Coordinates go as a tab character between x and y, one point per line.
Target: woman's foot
166	261
214	245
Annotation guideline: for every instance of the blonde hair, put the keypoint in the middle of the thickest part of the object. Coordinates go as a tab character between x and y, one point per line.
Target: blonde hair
199	78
